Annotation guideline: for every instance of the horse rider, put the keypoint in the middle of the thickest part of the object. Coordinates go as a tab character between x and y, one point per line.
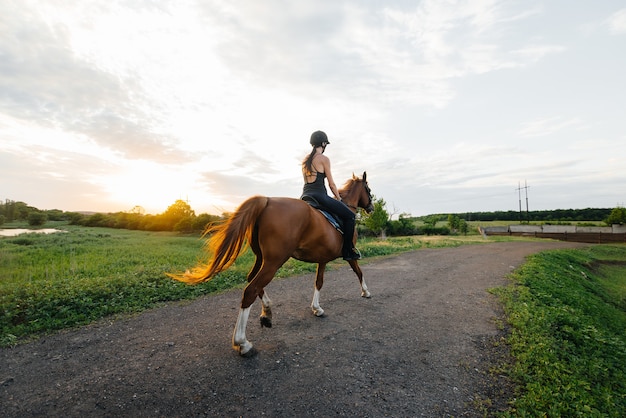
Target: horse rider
315	168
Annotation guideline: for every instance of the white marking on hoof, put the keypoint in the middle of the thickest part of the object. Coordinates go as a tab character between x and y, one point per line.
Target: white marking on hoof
240	342
318	312
245	347
315	305
364	292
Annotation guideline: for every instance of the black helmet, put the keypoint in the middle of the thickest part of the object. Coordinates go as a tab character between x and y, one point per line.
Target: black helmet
318	138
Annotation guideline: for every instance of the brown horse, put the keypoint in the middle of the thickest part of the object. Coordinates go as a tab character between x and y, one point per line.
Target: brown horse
277	228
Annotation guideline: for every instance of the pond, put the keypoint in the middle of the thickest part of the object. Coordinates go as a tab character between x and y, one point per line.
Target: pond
19	231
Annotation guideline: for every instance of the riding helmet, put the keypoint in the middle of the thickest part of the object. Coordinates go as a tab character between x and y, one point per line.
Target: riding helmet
318	138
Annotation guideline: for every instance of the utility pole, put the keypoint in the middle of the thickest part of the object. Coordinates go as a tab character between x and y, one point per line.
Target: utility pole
527	212
519	193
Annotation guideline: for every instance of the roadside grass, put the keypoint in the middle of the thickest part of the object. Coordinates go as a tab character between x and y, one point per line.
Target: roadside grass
567	313
56	281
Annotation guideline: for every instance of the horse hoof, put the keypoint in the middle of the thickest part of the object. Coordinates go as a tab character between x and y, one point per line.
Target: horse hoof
266	322
252	352
246	349
318	312
366	295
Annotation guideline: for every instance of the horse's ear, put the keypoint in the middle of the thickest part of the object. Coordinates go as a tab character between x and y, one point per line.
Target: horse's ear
354	177
364	176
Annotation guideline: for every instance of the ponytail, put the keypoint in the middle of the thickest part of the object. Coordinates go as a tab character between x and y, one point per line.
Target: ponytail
307	163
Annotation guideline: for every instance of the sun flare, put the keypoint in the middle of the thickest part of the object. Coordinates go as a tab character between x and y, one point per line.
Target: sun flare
149	185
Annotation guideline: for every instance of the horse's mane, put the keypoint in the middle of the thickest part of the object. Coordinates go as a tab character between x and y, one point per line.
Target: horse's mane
347	187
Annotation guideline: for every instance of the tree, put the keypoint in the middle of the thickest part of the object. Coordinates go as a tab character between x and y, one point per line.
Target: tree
37	218
22	210
617	216
378	219
75	218
14	211
463	226
204	220
184	225
175	213
404	225
55	215
431	220
454	222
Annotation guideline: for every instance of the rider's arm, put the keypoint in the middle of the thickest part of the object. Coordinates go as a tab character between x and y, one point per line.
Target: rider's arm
331	181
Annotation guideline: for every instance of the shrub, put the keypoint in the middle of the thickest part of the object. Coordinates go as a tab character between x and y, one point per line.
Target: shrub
37	218
433	230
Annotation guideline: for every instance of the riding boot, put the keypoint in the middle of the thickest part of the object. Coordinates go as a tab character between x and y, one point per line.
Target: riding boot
348	250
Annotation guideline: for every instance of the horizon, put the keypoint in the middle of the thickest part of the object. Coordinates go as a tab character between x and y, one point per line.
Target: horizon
90	212
449	107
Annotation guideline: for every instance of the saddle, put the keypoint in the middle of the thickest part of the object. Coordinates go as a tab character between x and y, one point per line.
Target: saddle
334	221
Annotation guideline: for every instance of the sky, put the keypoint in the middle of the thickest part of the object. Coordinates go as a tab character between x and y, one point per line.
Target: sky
449	106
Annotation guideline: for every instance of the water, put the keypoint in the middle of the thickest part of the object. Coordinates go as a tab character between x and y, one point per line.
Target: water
19	231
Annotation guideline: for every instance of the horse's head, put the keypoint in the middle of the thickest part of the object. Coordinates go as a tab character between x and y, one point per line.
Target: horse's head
365	198
357	193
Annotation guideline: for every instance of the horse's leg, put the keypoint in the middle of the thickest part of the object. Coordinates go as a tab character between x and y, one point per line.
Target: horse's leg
355	267
240	342
319	282
253	290
266	303
266	310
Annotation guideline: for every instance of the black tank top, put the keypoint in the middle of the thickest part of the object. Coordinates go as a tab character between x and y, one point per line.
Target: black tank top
315	187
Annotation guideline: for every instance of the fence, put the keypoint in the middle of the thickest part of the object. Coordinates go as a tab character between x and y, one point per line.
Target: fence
589	234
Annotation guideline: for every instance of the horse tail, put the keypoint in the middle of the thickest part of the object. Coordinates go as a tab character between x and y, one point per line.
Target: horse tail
227	241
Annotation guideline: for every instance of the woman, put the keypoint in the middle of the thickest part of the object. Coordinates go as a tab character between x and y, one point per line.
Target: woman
315	168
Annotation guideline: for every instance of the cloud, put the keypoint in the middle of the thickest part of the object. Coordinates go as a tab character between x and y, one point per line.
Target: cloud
533	53
617	22
53	179
236	188
399	54
549	126
43	80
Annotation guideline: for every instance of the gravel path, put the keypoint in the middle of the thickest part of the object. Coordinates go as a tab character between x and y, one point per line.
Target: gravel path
421	346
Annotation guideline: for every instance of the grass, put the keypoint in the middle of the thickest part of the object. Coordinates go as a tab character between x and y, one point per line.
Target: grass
567	310
62	280
50	282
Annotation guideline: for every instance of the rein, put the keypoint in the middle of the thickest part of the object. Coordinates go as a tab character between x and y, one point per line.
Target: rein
354	208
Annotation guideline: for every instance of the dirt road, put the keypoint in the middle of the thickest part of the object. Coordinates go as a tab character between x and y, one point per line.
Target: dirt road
421	346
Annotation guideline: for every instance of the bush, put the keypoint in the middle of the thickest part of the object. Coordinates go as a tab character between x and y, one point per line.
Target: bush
402	227
75	218
37	218
433	230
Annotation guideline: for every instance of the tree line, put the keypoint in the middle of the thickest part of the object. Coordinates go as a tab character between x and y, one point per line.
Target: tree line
558	215
181	217
380	222
178	217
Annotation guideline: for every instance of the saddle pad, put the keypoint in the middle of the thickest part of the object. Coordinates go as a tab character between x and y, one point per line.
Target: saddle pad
315	204
332	220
